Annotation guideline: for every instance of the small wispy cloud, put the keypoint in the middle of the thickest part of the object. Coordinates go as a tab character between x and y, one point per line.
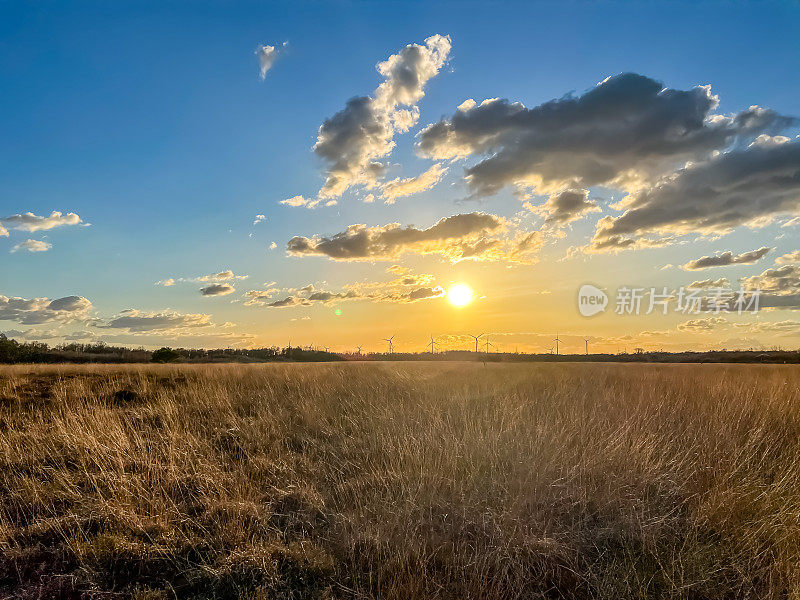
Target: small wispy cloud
267	55
32	246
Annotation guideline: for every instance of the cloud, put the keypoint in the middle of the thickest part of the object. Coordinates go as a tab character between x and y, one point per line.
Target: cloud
780	287
407	288
32	246
793	222
790	257
283	303
297	201
787	328
43	310
227	275
220	277
354	140
32	334
627	129
3	231
455	237
134	320
727	258
217	289
259	219
267	55
783	280
706	325
710	283
31	222
567	205
398	188
746	186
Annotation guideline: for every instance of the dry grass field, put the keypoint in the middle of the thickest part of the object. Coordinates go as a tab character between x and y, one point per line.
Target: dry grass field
400	481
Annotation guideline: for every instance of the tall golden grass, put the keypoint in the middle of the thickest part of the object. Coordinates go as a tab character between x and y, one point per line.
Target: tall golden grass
400	481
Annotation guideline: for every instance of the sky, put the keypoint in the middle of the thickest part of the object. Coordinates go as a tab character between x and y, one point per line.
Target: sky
218	174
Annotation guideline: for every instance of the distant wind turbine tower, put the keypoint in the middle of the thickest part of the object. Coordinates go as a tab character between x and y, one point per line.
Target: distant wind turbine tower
391	346
359	349
586	340
475	337
556	341
432	345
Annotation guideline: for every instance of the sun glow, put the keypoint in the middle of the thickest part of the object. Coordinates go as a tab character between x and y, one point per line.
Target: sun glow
460	294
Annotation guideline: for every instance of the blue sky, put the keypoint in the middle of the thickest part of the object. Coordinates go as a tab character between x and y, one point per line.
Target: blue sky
150	121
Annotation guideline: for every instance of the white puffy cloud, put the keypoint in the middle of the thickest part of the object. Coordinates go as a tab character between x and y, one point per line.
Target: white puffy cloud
32	246
727	258
788	258
722	282
780	287
221	277
354	140
31	222
398	188
298	201
227	275
259	219
44	310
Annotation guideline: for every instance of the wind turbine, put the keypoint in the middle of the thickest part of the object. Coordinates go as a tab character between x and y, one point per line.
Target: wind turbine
391	346
432	345
488	344
556	341
586	340
475	337
327	348
359	349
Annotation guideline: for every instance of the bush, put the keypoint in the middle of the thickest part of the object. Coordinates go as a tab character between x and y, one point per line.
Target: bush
165	355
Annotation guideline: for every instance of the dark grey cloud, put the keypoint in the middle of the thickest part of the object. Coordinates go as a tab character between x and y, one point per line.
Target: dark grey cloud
727	258
626	129
568	205
288	301
740	187
448	237
217	289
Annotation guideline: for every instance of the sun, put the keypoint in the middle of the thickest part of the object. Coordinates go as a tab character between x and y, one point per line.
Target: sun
460	294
